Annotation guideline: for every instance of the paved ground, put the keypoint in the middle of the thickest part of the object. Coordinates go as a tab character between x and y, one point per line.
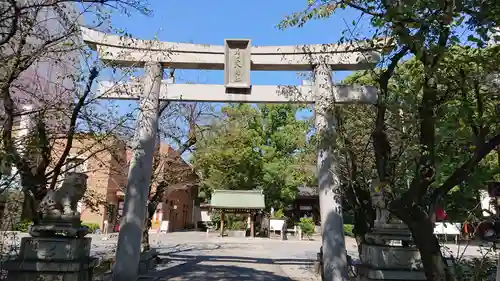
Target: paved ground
213	258
194	256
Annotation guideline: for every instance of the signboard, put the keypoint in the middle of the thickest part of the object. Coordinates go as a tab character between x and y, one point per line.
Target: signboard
305	208
237	63
276	224
164	226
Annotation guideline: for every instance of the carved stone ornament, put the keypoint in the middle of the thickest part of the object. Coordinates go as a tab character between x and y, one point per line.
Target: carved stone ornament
58	209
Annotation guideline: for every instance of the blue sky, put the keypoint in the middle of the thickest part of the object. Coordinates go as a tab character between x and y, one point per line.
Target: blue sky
210	22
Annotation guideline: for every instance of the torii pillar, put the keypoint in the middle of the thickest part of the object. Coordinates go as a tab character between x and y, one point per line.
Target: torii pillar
139	176
330	196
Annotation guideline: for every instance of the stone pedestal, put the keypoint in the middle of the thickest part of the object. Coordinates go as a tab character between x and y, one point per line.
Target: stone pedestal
50	227
147	261
52	259
390	255
389	233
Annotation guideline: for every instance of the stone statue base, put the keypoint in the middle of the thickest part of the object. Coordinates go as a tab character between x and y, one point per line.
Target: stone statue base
52	259
147	261
59	226
388	233
390	254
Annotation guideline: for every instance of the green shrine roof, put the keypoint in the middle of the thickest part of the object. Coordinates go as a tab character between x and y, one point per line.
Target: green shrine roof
238	199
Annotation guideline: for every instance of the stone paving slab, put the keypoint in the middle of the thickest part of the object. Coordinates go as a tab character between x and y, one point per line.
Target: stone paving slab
220	261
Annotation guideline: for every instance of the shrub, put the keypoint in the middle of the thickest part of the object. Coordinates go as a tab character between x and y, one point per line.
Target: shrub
278	214
307	226
215	219
475	269
91	226
348	230
22	226
238	225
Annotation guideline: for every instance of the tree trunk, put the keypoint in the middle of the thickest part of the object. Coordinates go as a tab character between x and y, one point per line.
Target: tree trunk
434	263
145	246
363	219
34	192
422	229
148	222
28	211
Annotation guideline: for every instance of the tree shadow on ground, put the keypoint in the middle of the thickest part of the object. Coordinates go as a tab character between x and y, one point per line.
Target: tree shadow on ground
206	267
181	248
201	272
236	259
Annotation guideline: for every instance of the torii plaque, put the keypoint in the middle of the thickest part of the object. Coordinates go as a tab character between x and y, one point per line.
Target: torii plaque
237	63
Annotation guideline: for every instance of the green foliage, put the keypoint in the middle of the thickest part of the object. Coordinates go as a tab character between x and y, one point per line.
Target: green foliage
348	228
22	225
279	214
215	218
421	21
307	226
235	222
92	227
475	269
237	225
436	115
459	119
256	147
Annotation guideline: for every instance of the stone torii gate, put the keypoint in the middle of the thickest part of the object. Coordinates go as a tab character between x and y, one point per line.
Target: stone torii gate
237	58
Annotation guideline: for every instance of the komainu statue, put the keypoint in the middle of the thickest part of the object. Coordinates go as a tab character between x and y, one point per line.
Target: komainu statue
58	210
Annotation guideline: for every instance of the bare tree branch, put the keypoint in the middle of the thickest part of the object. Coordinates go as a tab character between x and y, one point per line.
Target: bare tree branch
72	126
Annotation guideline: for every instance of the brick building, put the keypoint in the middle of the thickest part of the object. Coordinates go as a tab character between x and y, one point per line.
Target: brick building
103	161
177	207
107	171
